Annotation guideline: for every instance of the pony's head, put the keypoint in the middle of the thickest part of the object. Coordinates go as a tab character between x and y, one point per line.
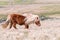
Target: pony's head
37	21
31	18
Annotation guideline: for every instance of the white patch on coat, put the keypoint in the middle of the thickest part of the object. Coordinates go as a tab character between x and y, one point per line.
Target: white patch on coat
31	18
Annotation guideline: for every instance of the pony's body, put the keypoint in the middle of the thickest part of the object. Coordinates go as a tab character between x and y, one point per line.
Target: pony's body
17	19
23	19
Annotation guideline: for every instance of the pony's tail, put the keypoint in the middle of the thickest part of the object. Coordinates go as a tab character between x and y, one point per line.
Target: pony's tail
6	23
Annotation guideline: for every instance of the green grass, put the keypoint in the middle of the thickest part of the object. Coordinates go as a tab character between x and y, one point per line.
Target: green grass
3	3
17	2
50	13
51	10
2	16
24	1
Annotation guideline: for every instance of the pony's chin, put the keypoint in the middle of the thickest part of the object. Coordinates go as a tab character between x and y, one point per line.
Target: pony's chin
39	25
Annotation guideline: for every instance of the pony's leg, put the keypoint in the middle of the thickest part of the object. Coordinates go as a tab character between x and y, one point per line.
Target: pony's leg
10	25
14	25
26	26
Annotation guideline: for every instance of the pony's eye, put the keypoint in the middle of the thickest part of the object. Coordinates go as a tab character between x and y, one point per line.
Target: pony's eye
37	17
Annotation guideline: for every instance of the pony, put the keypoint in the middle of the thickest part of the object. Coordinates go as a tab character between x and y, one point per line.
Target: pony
23	19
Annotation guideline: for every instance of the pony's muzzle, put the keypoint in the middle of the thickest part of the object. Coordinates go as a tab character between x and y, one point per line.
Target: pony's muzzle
38	23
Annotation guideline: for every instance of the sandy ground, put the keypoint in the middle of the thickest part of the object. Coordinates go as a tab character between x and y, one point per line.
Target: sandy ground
49	30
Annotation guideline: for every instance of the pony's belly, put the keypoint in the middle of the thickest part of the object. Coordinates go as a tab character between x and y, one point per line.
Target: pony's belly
20	23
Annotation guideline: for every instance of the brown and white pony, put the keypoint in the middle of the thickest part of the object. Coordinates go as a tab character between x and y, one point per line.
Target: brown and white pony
23	19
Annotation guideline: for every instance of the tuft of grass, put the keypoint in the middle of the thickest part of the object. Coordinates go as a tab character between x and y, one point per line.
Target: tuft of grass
2	16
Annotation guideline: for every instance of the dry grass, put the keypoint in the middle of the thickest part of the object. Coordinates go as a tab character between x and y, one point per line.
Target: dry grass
49	30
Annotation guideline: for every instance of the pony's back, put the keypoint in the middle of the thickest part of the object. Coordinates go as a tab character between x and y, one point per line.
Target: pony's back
16	18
